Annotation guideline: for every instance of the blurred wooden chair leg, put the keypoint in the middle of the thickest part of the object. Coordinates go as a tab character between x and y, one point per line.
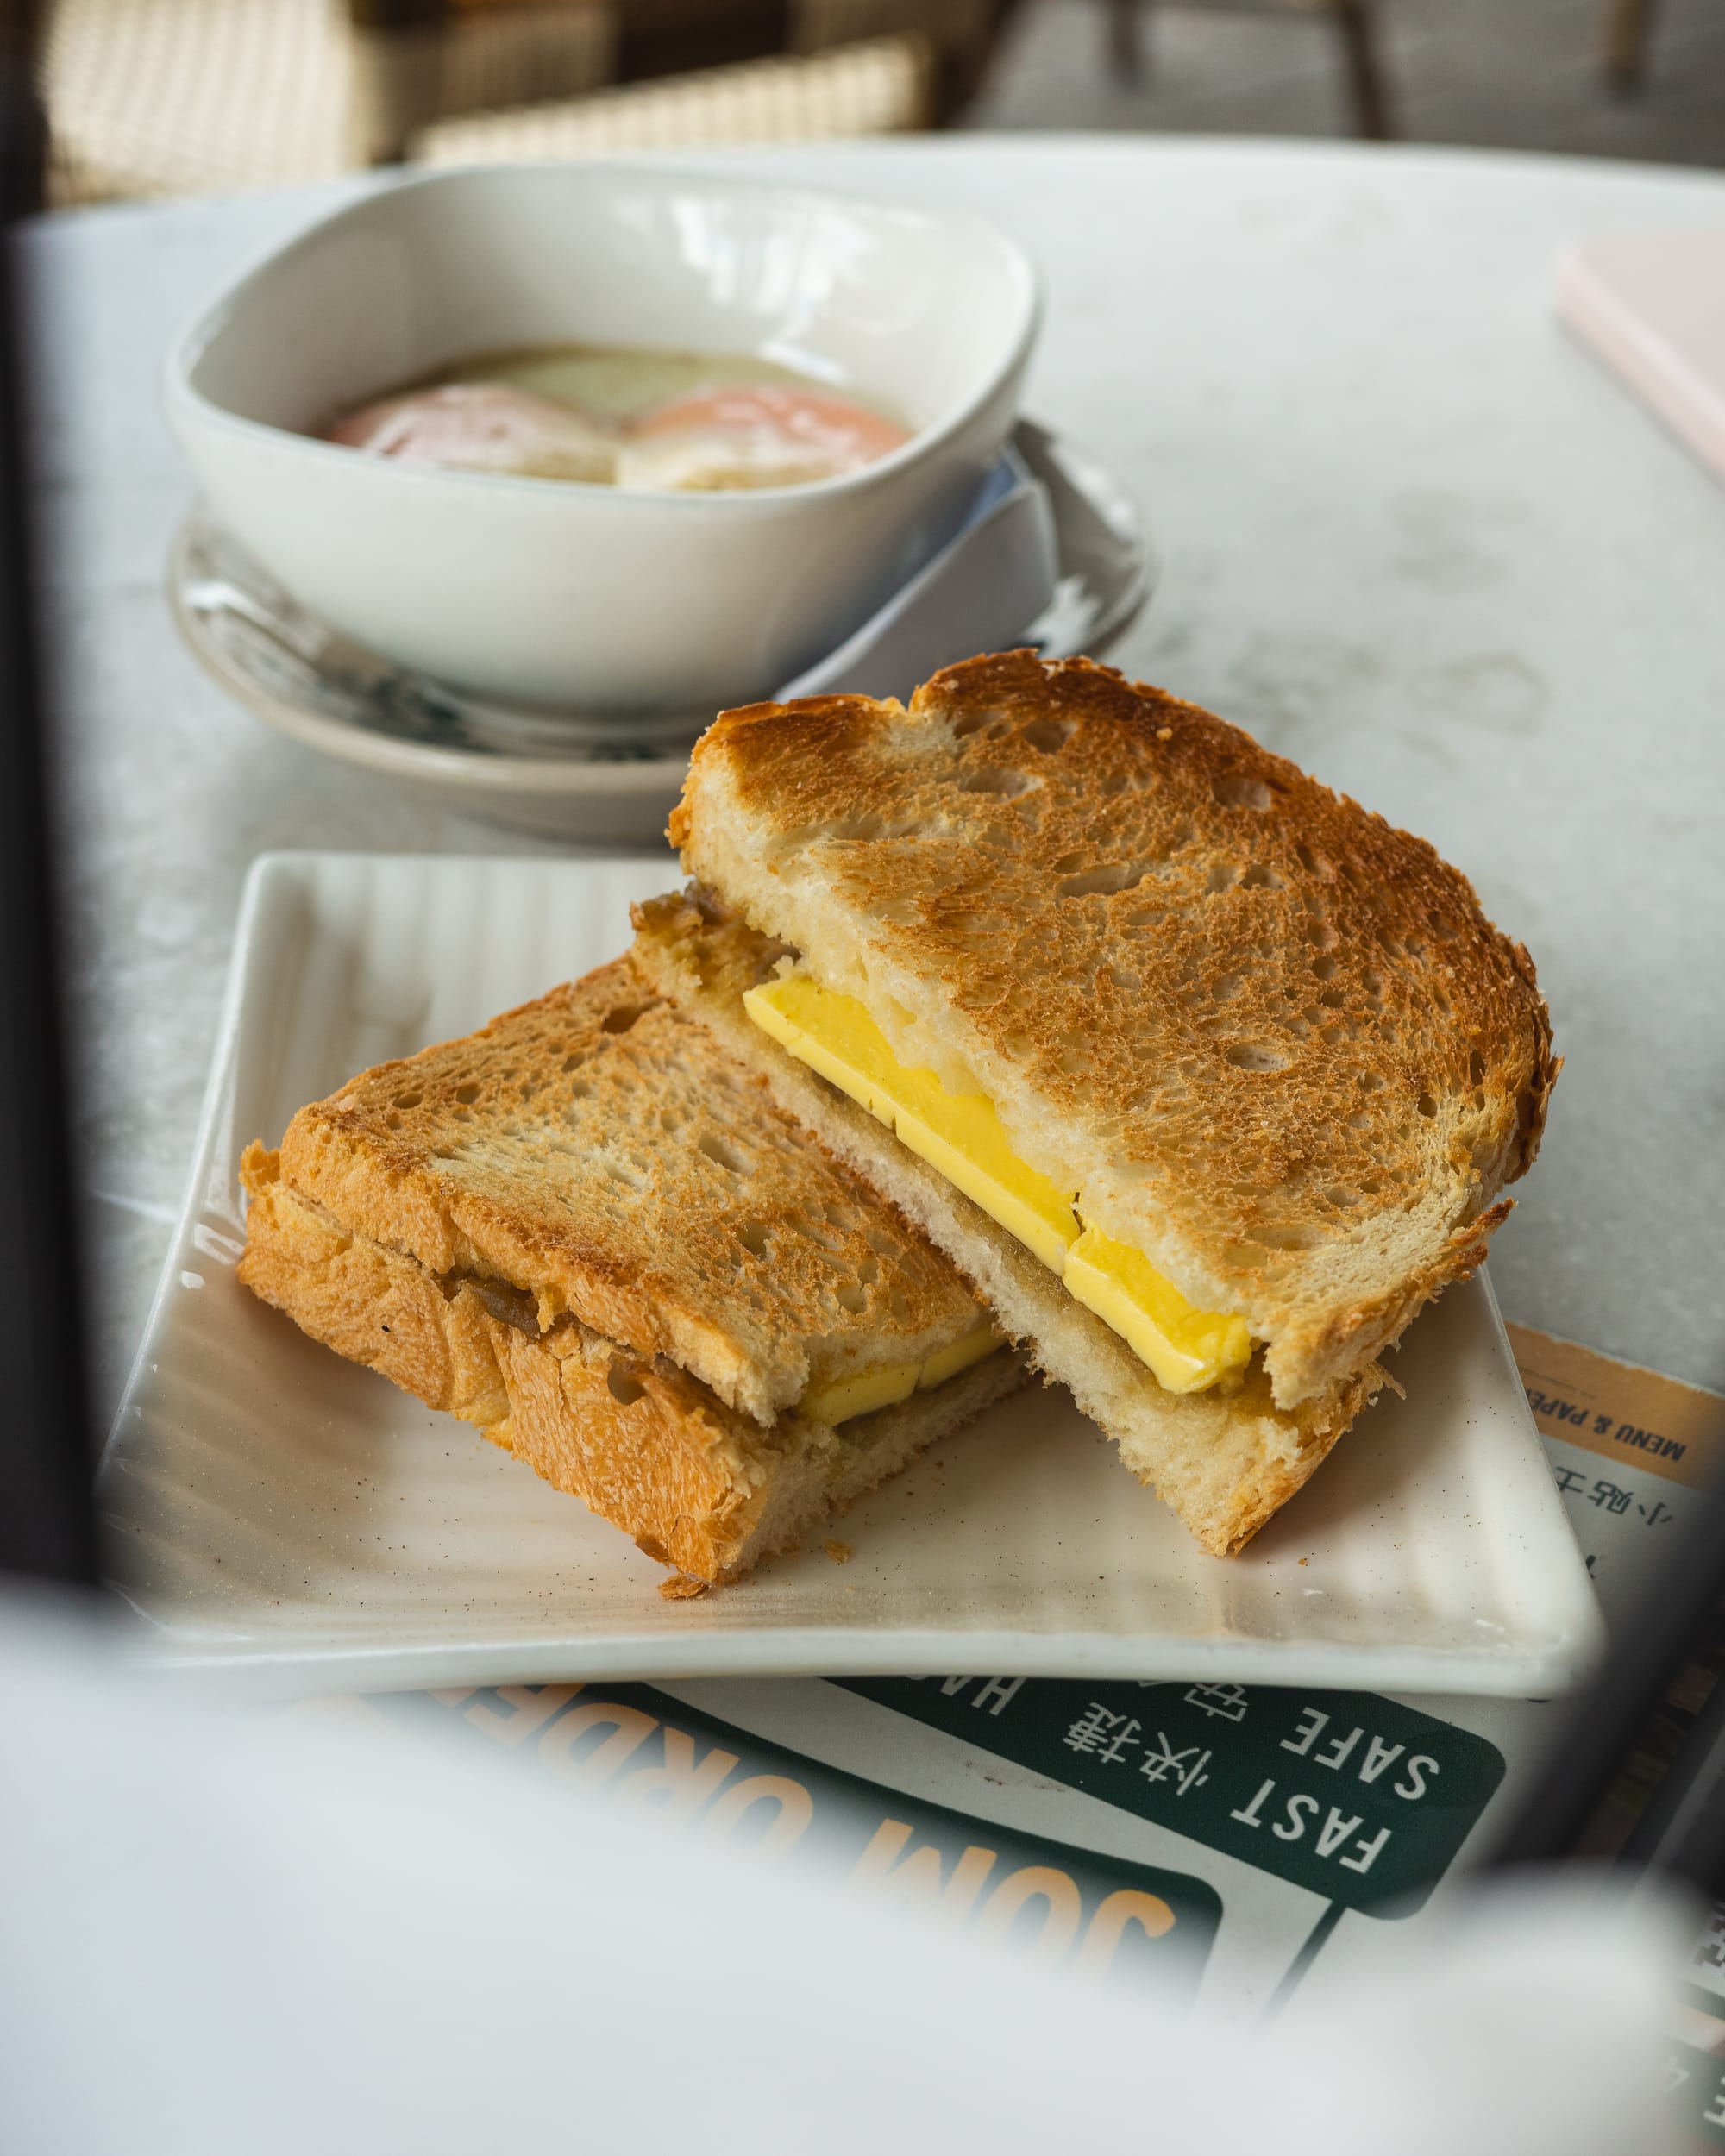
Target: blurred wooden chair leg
1623	42
1358	26
1127	58
398	64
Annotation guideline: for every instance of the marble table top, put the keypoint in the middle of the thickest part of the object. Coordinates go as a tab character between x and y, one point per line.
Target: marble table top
1412	536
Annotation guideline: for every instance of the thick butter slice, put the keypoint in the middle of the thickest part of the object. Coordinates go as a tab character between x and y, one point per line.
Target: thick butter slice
888	1384
962	1136
1187	1349
884	1386
959	1134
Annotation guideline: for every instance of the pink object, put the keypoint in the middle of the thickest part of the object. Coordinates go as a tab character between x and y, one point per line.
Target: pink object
1652	306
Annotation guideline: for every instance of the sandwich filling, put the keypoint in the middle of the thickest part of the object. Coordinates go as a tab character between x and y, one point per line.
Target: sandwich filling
831	1399
962	1136
885	1384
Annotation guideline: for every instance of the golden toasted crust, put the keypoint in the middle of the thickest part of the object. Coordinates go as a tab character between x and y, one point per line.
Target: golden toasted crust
595	1151
1223	1462
699	1486
1270	1040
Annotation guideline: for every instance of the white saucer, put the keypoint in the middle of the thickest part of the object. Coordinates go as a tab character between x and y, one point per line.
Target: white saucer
278	1511
564	774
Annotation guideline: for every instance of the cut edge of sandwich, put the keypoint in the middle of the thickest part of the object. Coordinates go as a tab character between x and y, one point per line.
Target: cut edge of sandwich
1224	1460
698	1485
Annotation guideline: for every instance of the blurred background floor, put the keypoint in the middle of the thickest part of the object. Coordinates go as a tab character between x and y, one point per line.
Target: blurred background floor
1511	74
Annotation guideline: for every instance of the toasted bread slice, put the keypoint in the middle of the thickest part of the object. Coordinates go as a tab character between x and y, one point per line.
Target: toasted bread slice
588	1231
1224	1461
1273	1043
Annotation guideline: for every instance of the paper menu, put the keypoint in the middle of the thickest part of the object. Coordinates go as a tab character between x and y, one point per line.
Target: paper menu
1630	1450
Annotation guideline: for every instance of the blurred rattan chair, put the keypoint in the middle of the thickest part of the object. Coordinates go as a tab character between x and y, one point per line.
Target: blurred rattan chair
1354	23
163	98
882	86
423	63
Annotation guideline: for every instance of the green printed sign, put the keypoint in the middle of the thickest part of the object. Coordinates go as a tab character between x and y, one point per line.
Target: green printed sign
1358	1799
1017	1890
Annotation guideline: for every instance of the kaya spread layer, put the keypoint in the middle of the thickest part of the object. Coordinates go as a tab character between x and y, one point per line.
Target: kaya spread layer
962	1136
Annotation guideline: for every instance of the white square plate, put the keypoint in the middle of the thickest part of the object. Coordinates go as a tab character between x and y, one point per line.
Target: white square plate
285	1511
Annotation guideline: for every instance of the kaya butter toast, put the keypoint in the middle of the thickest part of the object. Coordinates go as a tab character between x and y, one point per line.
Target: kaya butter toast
1253	1065
588	1231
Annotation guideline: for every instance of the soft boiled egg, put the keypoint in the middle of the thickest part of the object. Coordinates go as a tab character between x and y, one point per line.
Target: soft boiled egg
761	434
483	427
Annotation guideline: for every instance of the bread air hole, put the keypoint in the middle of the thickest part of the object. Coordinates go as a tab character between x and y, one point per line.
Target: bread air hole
1112	877
625	1015
625	1387
753	1238
997	779
1427	1105
855	1299
1290	1238
727	1157
1254	1055
1047	734
1238	789
408	1100
1260	878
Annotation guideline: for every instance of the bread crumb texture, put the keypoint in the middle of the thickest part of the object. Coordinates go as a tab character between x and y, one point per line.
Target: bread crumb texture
700	1486
1270	1040
594	1154
1224	1460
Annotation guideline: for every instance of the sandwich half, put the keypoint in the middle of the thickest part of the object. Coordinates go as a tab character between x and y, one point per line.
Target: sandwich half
587	1230
1206	1077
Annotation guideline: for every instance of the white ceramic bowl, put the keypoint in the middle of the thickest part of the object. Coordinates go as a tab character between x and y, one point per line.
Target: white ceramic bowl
602	599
